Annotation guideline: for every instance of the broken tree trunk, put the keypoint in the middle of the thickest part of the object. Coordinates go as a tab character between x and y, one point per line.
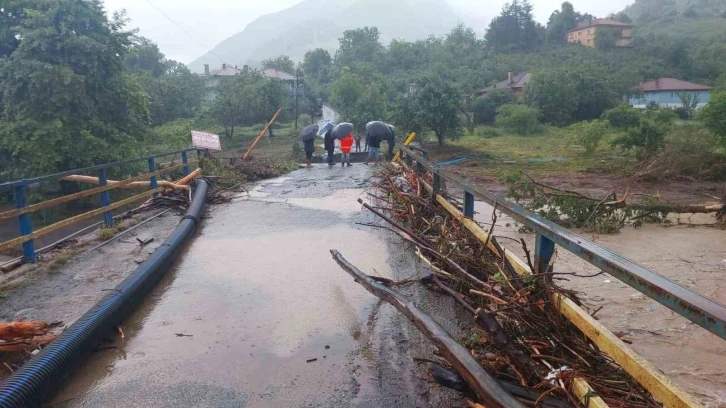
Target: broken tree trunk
485	387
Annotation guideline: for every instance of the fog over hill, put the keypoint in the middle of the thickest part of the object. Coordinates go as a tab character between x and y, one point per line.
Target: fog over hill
319	23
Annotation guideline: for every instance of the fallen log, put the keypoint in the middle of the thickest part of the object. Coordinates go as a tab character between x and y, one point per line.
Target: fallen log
135	184
492	395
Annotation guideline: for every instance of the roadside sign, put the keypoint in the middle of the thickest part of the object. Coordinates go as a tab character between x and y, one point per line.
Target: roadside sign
204	140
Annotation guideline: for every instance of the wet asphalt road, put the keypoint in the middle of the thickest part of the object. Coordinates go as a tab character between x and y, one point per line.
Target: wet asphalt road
257	314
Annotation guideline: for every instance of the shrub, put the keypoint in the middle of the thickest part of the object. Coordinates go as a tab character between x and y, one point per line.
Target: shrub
714	115
665	116
623	117
589	134
645	139
520	119
689	151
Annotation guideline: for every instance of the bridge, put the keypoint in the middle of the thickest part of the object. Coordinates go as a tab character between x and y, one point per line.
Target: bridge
252	311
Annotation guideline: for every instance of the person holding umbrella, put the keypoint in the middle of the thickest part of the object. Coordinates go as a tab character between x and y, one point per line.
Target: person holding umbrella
329	146
375	132
307	136
340	132
346	143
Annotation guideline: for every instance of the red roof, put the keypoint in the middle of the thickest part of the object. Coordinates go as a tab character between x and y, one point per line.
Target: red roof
671	84
602	22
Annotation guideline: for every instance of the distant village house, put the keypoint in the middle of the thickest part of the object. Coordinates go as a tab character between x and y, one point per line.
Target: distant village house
514	83
213	77
667	92
585	32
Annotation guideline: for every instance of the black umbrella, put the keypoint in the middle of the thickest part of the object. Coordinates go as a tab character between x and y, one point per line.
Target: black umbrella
309	132
342	129
379	129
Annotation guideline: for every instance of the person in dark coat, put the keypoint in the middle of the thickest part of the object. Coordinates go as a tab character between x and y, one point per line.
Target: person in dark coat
391	143
330	146
309	150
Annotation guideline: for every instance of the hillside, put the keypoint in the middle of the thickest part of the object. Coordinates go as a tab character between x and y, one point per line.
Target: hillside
319	23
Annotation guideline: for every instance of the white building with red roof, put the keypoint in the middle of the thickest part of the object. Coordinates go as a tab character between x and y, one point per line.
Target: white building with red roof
669	92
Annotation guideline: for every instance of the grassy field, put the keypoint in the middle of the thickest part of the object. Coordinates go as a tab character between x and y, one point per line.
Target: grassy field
176	135
553	152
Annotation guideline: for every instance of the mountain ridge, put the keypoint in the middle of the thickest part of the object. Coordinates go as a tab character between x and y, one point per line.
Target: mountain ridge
319	23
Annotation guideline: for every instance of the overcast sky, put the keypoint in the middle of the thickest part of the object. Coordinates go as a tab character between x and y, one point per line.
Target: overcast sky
211	21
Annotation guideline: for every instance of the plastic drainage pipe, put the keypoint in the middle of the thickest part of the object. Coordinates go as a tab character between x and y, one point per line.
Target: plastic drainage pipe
45	372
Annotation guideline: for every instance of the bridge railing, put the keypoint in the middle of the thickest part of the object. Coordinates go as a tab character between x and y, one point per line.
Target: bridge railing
22	210
699	309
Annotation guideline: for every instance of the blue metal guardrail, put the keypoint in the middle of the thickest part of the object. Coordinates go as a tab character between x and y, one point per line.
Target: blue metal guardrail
699	309
19	188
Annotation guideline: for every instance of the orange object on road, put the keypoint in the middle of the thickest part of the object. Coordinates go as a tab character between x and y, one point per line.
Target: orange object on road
346	143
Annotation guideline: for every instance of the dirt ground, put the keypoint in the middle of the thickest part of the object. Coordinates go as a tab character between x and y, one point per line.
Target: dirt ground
679	192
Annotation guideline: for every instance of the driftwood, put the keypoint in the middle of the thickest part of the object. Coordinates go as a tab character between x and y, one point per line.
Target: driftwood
135	184
485	387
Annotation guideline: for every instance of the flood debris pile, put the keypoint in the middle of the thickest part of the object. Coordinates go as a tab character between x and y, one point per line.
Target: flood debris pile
519	337
607	214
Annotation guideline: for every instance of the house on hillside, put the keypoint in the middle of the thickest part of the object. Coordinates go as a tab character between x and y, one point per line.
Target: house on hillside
214	77
515	83
584	33
667	92
288	79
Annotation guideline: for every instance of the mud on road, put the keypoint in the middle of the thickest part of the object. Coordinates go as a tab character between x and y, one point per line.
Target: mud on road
257	314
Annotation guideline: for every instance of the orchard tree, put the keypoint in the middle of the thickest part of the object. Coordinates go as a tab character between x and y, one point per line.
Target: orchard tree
436	105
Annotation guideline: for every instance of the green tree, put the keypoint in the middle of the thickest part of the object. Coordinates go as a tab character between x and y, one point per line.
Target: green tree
519	119
316	66
713	115
514	29
435	106
282	63
246	99
67	102
606	38
144	56
484	109
570	94
358	99
690	102
589	134
359	46
554	93
560	22
623	117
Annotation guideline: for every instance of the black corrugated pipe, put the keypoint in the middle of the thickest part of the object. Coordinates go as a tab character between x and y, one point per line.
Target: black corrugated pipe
45	372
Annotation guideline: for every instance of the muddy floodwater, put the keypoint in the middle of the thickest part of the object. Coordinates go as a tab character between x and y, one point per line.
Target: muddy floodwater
692	256
257	313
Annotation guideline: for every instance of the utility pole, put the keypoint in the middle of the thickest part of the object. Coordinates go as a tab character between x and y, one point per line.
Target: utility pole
296	92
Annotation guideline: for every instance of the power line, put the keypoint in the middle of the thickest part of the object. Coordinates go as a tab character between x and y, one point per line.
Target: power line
185	31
